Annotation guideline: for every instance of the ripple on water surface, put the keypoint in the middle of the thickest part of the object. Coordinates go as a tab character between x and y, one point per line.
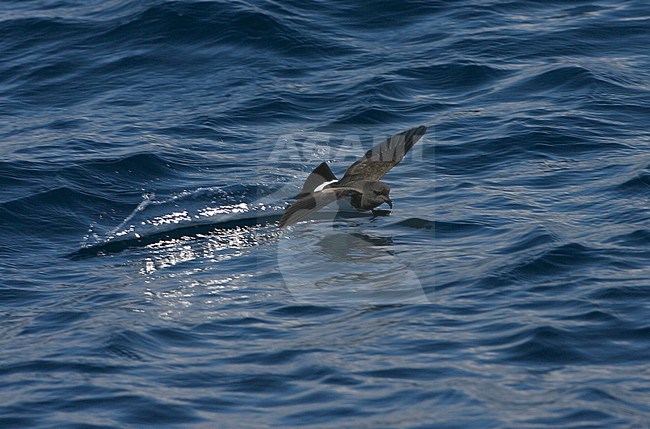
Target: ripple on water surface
149	148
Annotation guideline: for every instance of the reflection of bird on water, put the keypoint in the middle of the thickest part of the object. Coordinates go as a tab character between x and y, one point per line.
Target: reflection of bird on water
354	247
360	184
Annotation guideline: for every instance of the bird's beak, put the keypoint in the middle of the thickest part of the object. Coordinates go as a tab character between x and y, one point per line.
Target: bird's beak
388	201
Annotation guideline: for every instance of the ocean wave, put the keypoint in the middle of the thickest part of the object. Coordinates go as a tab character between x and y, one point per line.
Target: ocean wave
142	175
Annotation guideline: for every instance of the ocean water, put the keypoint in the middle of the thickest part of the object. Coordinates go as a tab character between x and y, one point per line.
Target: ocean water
148	148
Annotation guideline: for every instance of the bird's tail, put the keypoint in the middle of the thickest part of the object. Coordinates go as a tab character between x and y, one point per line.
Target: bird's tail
320	175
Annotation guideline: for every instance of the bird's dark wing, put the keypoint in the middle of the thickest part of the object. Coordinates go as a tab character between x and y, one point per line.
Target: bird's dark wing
381	158
320	175
312	203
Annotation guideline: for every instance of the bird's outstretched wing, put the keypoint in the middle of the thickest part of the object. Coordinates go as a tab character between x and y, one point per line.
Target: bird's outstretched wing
312	203
381	158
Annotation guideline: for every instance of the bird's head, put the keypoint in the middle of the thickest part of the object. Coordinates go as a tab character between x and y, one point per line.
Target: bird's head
379	192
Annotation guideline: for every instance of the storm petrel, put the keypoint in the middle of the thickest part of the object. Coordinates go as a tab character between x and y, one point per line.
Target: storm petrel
360	183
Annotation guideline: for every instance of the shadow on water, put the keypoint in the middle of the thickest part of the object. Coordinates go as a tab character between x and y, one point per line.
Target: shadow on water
344	247
343	266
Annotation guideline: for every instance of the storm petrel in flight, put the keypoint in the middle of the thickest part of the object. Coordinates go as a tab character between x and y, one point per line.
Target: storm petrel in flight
360	184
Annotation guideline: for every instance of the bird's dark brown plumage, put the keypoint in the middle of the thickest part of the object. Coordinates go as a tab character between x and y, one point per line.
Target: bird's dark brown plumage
381	158
360	181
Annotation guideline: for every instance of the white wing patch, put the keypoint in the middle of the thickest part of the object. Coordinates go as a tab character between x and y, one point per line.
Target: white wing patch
322	186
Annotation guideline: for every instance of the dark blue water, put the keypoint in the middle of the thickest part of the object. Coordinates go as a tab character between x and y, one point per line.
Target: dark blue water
149	147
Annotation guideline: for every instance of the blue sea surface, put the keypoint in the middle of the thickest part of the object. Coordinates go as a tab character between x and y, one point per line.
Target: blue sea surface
148	149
